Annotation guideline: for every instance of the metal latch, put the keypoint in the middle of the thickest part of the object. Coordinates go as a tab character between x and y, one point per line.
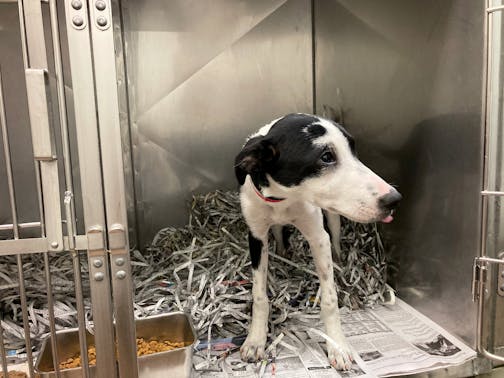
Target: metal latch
479	277
38	99
69	220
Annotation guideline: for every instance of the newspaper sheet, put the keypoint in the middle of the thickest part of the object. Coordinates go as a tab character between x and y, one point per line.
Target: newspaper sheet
389	340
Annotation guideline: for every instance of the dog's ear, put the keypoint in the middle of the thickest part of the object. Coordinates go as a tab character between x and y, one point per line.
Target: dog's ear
254	158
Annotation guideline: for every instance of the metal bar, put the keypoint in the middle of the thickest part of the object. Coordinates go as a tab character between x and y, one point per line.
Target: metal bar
36	163
37	245
23	33
37	84
21	226
69	204
67	161
81	316
8	163
492	260
24	313
79	241
36	47
485	144
480	322
102	36
2	352
52	324
495	9
487	109
15	229
81	64
79	297
21	246
492	193
39	198
37	57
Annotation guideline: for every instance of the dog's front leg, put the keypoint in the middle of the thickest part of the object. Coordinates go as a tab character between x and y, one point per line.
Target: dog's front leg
312	228
334	226
253	347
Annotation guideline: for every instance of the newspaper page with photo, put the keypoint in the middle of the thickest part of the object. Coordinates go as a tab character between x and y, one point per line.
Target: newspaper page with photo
395	340
388	340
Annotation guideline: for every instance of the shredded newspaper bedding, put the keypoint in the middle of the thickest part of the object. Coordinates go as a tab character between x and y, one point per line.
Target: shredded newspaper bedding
203	268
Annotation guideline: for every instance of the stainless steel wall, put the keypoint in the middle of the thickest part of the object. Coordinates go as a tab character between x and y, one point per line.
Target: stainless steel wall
407	75
201	76
409	80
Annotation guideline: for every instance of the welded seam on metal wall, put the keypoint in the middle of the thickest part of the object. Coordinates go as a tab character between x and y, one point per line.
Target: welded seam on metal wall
210	60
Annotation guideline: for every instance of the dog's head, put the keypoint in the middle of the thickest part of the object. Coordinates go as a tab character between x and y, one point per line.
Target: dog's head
314	159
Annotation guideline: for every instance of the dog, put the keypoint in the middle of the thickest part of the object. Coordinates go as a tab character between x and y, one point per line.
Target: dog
294	171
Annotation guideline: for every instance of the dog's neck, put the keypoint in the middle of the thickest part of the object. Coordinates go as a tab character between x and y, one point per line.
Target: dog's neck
271	199
272	192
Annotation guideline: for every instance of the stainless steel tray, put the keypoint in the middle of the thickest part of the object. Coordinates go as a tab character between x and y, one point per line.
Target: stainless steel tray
175	363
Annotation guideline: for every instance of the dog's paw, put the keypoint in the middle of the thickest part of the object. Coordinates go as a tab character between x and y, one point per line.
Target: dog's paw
340	358
252	351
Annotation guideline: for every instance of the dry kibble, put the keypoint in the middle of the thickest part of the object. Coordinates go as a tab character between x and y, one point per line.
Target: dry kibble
143	348
15	374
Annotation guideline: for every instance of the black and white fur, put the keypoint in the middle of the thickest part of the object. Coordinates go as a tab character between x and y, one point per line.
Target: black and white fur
289	171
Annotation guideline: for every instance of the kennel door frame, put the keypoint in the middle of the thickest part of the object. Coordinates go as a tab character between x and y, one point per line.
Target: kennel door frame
93	71
481	289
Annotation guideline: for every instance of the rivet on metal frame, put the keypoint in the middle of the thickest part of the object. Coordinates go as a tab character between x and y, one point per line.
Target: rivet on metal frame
100	5
54	244
76	4
99	276
98	263
101	21
78	21
121	274
120	261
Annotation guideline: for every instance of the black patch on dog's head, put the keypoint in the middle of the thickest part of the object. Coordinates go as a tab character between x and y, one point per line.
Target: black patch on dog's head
286	153
316	130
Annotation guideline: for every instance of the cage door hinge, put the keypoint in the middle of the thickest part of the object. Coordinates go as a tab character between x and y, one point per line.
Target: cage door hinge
478	278
480	275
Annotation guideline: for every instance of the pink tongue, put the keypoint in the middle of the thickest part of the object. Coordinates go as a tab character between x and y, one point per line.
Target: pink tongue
387	219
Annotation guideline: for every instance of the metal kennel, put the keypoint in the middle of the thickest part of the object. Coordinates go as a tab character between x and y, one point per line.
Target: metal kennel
127	107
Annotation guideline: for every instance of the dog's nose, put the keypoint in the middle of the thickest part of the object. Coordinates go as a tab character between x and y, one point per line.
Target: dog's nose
390	200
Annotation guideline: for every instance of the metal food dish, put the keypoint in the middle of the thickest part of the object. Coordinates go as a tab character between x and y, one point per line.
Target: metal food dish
175	327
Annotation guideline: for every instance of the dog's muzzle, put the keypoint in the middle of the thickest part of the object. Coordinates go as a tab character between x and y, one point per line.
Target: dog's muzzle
388	203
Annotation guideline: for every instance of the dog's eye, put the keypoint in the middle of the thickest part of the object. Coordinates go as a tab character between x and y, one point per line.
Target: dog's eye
328	157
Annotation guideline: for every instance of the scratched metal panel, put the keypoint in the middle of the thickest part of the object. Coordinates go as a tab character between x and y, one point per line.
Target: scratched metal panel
409	80
201	76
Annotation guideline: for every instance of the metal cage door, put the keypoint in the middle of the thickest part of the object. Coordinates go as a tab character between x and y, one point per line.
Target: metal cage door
105	237
488	269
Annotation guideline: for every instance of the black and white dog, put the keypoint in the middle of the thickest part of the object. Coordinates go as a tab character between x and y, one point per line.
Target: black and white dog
289	171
